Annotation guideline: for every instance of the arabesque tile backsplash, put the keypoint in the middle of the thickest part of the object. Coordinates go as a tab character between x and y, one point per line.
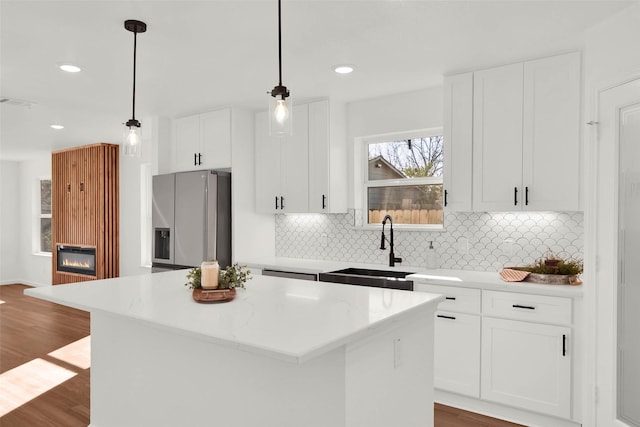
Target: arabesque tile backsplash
470	241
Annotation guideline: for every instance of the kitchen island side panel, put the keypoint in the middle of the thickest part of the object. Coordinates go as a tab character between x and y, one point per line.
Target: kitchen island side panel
145	376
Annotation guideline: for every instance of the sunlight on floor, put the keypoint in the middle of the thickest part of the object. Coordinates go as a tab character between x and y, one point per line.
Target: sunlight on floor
77	353
28	381
1	302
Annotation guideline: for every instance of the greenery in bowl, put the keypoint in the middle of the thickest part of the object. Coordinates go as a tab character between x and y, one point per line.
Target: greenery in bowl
234	276
553	264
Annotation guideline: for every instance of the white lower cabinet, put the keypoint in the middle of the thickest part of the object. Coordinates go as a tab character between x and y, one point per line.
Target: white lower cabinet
509	348
457	353
527	365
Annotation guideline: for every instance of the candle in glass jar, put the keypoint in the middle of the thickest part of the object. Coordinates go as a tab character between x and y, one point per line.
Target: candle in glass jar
209	277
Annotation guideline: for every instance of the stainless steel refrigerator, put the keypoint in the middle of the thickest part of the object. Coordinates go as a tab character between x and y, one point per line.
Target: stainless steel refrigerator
191	219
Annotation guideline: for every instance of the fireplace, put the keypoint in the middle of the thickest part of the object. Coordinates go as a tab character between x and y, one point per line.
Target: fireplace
76	259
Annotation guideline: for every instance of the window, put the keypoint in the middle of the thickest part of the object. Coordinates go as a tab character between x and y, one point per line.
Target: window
403	178
45	216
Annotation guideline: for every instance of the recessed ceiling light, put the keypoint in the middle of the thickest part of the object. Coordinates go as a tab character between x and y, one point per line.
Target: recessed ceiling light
57	127
343	69
69	68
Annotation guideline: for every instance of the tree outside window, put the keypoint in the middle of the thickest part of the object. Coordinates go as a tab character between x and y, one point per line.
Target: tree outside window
45	216
404	180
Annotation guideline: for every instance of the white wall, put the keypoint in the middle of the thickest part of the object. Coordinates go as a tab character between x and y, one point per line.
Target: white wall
130	195
34	269
611	57
9	222
420	109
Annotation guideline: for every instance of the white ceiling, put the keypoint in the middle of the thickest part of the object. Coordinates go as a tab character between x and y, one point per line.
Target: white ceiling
201	55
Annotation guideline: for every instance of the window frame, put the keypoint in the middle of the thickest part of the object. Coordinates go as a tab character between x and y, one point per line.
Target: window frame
365	183
39	216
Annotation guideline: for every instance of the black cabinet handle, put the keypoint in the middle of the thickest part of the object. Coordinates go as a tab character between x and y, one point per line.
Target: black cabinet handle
199	159
515	196
450	298
526	196
324	201
564	345
528	307
195	159
276	202
281	202
442	316
446	193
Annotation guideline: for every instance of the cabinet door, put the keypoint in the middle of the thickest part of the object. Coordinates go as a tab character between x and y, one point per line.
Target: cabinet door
186	144
268	166
457	353
497	138
215	139
458	137
319	157
551	133
527	365
295	163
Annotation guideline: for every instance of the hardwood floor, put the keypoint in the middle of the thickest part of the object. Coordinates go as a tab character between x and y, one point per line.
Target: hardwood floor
30	329
54	386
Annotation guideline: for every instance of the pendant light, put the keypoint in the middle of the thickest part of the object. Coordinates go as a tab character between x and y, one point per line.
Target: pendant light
132	142
279	111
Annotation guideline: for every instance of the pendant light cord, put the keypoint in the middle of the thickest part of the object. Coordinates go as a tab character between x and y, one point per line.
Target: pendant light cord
279	45
135	37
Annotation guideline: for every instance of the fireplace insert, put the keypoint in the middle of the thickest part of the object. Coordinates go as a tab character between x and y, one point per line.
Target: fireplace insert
76	259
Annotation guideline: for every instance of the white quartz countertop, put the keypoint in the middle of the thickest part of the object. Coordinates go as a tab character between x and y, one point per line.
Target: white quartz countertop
292	320
461	278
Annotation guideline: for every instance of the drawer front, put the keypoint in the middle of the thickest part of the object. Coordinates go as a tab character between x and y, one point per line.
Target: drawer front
531	308
462	300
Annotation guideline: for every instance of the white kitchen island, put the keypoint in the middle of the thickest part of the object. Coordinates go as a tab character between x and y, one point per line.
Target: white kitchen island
283	353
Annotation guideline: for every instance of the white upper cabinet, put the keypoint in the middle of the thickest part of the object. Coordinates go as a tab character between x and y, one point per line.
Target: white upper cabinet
526	146
202	141
282	180
497	138
551	133
300	173
319	165
458	142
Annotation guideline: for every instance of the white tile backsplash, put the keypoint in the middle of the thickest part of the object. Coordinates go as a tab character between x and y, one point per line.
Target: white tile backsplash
470	241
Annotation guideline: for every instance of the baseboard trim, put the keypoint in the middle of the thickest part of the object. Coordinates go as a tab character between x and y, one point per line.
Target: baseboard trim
503	412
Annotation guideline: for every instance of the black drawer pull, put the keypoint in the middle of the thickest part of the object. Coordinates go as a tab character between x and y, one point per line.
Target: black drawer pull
446	193
564	345
442	316
528	307
276	202
450	298
515	196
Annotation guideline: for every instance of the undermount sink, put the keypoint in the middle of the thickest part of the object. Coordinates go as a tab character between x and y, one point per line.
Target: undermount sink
368	277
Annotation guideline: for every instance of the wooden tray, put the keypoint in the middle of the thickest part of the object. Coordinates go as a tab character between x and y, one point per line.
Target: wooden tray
213	295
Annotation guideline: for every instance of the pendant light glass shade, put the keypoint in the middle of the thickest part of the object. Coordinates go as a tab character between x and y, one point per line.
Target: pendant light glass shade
132	143
280	110
280	116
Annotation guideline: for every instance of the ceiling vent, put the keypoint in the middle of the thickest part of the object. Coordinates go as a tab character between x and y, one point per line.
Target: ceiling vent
16	102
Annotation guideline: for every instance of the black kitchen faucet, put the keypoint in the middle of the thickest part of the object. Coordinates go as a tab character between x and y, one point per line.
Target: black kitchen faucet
392	256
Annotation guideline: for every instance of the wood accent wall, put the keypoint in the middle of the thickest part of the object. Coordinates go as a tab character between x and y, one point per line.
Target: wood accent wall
85	207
